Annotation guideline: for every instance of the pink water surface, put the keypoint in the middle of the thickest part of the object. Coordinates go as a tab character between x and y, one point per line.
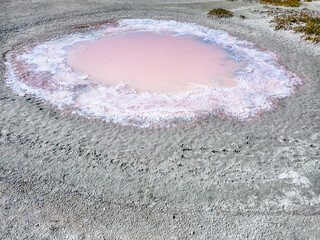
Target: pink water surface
151	62
188	69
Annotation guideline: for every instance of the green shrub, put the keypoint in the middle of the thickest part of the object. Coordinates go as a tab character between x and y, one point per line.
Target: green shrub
286	3
220	13
300	22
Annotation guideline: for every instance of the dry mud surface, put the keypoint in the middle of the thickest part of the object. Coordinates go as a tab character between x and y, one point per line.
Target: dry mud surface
63	176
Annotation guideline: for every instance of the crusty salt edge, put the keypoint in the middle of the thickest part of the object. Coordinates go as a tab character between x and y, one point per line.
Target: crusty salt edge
263	82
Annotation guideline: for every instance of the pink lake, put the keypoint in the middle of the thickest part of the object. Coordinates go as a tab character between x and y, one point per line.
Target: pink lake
146	72
152	62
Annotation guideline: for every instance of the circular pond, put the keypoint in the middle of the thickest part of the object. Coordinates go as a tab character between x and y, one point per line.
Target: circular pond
146	72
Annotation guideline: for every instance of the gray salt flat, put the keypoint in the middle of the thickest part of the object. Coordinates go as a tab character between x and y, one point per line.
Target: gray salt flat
63	176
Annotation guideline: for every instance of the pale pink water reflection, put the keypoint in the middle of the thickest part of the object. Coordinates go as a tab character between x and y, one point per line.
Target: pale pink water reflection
151	62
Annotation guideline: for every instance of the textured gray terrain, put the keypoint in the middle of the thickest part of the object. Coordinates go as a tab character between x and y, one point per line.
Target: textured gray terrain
63	176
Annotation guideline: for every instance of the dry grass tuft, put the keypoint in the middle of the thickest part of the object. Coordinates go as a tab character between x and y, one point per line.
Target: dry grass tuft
300	22
286	3
220	13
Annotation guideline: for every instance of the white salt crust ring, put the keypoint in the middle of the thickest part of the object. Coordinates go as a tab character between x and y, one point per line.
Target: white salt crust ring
43	71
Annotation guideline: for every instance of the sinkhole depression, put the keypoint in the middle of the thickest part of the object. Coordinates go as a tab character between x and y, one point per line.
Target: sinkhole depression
147	72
